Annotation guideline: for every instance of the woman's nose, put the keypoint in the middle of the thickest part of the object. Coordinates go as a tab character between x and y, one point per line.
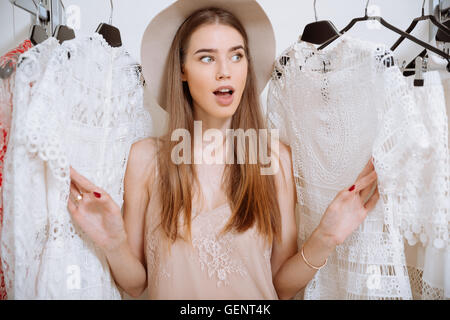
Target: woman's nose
223	71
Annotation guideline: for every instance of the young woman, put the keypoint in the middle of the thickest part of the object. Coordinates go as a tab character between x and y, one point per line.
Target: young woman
211	231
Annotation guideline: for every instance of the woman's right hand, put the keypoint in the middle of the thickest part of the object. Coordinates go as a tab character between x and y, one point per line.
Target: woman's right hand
96	213
350	207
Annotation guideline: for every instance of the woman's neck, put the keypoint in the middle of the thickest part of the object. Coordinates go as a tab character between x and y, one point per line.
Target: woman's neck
205	143
211	122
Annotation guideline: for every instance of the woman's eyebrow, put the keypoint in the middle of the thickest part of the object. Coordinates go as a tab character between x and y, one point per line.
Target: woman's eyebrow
215	50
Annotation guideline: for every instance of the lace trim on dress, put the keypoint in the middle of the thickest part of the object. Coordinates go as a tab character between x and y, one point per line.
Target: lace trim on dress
215	253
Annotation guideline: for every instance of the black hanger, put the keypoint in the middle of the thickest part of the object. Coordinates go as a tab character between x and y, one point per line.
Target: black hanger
443	28
443	15
441	35
63	32
319	32
392	28
110	33
38	34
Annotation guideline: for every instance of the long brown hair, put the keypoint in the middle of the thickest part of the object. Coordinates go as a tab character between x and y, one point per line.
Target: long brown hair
252	196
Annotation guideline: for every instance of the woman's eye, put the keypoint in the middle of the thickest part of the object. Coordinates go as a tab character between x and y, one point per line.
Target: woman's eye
206	59
237	57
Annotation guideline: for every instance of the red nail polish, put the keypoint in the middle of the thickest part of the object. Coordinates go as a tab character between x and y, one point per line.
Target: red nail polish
352	188
97	195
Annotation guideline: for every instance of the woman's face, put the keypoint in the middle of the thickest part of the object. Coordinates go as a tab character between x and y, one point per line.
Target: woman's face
215	68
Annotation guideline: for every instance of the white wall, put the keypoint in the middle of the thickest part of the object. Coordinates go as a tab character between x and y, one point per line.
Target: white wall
288	18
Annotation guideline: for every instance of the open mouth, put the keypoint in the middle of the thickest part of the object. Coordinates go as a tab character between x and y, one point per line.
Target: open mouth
224	95
223	92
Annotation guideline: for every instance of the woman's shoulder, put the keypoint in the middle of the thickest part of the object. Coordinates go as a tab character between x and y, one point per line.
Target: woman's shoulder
142	160
146	148
283	156
285	151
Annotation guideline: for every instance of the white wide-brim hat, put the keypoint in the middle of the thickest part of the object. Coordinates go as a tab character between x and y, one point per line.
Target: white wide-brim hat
161	30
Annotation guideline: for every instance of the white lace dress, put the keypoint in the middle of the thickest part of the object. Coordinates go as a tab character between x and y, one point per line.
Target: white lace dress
427	249
85	112
336	109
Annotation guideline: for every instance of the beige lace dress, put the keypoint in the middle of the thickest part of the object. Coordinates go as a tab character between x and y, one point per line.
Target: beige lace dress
232	266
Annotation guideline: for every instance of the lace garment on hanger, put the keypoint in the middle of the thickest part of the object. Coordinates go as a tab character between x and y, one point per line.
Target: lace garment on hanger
428	259
336	109
9	60
86	112
446	84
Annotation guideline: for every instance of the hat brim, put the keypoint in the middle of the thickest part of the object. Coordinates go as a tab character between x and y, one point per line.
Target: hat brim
161	30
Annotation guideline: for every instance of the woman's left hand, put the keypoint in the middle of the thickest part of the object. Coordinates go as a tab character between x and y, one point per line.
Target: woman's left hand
349	208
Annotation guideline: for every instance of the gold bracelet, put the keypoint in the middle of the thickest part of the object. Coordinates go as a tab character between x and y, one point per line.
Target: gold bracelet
309	264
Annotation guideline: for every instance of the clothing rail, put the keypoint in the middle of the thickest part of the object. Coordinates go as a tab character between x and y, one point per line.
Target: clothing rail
51	12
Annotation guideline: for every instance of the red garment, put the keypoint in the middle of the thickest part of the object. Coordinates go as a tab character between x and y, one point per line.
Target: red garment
13	55
6	105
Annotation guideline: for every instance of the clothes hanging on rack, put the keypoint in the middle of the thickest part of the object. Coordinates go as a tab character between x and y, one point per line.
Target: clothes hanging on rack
437	63
336	109
446	84
427	250
8	62
30	70
421	211
445	76
85	112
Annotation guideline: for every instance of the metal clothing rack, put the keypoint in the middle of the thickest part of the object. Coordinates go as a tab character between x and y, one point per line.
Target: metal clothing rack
51	12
